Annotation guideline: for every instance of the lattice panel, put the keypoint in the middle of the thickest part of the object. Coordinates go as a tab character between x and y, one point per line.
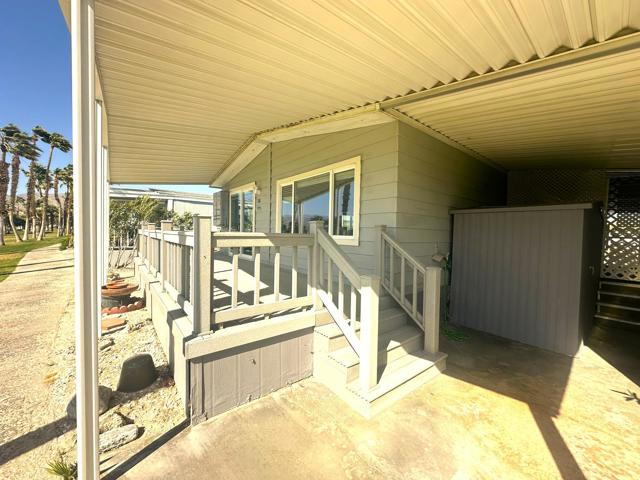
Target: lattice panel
621	250
554	186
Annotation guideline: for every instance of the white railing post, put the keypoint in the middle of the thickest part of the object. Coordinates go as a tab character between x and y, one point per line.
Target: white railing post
369	298
431	309
152	253
314	226
201	296
142	241
379	251
165	226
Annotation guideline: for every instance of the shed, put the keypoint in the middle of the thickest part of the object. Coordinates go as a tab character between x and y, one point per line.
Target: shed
527	273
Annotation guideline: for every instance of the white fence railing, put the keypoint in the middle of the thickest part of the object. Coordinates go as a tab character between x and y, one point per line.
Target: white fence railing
415	287
183	262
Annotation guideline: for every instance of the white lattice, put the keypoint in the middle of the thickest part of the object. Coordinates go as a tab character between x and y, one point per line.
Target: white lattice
621	250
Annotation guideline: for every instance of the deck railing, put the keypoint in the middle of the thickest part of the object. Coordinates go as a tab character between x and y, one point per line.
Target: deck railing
184	264
357	309
422	304
275	302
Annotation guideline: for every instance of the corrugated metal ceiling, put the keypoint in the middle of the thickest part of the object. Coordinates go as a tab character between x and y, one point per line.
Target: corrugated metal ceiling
187	82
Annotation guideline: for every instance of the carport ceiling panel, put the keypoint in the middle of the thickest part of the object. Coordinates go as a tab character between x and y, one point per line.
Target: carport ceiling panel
587	114
208	75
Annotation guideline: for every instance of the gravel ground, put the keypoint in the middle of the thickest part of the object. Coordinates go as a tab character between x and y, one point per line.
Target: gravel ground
39	375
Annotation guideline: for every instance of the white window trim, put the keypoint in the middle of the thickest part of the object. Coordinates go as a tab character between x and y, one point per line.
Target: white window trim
349	164
249	187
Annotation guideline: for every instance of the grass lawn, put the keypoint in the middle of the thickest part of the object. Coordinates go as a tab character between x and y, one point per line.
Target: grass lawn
12	252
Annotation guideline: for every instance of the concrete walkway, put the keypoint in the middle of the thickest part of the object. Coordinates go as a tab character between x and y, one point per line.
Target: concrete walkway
501	410
32	300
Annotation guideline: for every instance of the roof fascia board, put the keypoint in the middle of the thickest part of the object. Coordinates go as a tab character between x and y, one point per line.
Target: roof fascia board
366	116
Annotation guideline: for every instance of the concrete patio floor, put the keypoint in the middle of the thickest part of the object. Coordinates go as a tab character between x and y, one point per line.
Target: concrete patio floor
501	410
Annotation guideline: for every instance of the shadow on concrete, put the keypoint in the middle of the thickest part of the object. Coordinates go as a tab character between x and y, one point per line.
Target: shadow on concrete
7	273
132	461
35	438
528	374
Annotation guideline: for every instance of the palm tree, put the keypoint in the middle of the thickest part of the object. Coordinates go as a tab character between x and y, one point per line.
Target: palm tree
6	134
31	192
66	178
56	183
54	140
21	146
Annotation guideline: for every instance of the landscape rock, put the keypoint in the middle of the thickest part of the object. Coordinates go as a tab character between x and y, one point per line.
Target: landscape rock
137	372
111	420
106	342
104	395
117	437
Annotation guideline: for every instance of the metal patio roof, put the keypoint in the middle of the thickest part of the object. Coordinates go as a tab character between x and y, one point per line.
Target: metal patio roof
187	83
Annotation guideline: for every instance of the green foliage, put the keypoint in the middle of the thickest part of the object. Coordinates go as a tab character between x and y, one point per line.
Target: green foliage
182	222
125	217
53	139
12	252
62	468
447	330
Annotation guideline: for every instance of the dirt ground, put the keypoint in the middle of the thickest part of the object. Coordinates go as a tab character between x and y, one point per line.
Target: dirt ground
32	301
501	410
37	349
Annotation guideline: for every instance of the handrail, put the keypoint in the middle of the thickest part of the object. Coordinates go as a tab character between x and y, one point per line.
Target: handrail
389	283
426	318
365	286
338	257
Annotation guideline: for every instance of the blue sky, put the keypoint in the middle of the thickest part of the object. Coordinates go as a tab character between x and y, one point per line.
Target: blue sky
35	82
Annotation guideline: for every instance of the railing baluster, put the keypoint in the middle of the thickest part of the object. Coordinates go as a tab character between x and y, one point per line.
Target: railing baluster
320	267
341	292
392	272
354	306
234	280
329	277
414	293
294	273
276	274
309	268
256	274
403	295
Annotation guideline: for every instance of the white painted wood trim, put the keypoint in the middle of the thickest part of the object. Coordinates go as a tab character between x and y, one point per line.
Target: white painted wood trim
223	316
247	333
353	163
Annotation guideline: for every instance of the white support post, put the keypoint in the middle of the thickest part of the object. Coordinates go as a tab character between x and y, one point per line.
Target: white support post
379	264
202	296
86	254
369	299
431	309
314	226
165	226
148	246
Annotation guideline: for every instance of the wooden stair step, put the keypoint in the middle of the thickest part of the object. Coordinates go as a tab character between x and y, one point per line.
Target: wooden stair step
387	343
398	372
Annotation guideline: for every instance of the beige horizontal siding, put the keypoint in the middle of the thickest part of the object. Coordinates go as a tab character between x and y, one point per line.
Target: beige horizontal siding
434	179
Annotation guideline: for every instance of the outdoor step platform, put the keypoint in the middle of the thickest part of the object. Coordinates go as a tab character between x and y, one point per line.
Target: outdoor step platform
611	286
619	298
618	311
612	318
398	379
397	373
391	346
329	338
615	305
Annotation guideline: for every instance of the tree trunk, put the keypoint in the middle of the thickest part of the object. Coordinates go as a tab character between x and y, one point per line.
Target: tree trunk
57	198
15	176
69	207
45	197
31	193
4	185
